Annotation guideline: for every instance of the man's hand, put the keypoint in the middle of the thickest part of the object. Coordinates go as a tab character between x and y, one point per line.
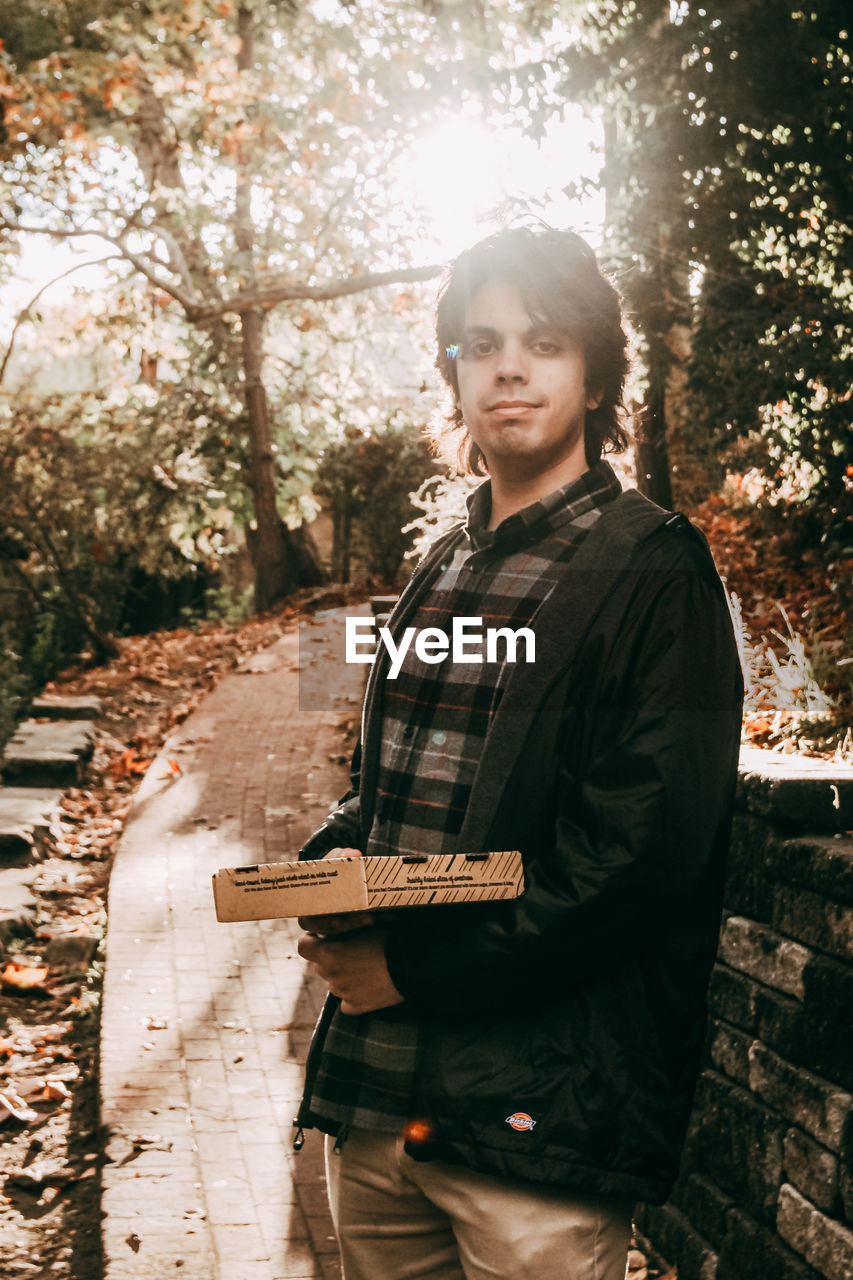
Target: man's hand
353	966
345	922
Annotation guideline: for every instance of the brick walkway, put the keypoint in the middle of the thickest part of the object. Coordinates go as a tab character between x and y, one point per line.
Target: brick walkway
206	1025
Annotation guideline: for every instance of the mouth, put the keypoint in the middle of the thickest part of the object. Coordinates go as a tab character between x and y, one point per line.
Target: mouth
511	408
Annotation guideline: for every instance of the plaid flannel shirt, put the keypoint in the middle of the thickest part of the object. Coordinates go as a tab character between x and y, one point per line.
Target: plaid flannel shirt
434	720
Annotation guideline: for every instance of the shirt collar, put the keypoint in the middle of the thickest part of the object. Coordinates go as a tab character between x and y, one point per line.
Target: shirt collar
595	488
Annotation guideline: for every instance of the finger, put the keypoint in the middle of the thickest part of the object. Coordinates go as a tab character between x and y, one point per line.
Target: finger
344	923
314	924
347	923
365	919
308	947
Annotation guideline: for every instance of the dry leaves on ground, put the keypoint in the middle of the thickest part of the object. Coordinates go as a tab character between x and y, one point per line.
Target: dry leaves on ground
50	981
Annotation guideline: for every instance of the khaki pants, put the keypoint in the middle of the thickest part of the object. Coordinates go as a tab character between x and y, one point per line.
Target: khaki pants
399	1219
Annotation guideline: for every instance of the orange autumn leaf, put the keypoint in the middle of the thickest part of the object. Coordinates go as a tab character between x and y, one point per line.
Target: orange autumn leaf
128	763
174	770
22	977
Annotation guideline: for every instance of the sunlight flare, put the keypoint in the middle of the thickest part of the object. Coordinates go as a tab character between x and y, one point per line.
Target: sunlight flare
466	177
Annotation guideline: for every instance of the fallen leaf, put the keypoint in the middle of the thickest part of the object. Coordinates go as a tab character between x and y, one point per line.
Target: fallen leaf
174	770
55	1091
12	1106
21	977
40	1174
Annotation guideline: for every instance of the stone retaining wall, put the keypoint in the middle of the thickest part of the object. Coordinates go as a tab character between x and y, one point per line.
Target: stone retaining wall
766	1188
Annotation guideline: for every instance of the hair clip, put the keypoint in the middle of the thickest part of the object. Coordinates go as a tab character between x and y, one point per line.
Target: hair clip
452	351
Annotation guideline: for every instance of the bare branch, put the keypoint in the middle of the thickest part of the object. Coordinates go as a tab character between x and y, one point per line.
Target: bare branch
143	263
264	297
144	266
178	262
24	315
271	295
62	233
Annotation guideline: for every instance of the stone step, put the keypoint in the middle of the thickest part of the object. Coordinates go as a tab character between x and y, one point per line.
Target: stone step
822	864
54	706
25	815
48	754
17	904
810	794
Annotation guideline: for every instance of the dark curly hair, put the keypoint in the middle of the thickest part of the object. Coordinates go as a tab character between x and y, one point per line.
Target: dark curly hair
561	285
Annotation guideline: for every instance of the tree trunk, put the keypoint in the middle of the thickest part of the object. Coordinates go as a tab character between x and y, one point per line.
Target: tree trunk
661	313
346	540
653	313
341	536
305	557
274	575
337	519
652	456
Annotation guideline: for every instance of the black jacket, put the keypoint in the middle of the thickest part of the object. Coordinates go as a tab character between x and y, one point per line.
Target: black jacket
562	1031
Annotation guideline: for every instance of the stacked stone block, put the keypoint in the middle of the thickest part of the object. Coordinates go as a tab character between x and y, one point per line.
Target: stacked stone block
766	1185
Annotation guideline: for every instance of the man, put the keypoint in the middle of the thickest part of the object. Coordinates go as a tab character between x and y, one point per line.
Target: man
500	1082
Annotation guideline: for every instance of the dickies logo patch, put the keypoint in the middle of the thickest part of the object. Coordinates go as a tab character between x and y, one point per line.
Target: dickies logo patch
520	1120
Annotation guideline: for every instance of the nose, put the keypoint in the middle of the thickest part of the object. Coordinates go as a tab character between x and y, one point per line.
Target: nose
512	363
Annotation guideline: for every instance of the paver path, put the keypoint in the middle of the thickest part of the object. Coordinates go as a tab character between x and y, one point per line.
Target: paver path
205	1025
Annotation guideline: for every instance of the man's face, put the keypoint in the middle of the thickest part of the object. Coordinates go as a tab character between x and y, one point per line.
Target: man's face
522	390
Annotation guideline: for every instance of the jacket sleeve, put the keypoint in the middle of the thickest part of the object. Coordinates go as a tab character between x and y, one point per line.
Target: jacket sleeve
342	828
637	830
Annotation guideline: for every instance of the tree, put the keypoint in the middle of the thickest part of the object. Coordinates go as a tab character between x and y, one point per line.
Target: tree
235	153
727	153
232	154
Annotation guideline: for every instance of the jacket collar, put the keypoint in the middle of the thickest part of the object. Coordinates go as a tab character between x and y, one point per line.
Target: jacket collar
594	489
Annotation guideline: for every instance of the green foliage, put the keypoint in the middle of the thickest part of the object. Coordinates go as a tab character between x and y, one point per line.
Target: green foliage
221	604
368	478
13	682
99	489
226	604
34	644
728	153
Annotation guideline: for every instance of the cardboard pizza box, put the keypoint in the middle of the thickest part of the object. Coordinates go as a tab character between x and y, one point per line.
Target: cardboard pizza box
336	885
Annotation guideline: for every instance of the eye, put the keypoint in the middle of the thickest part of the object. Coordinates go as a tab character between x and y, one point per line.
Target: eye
546	346
478	348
